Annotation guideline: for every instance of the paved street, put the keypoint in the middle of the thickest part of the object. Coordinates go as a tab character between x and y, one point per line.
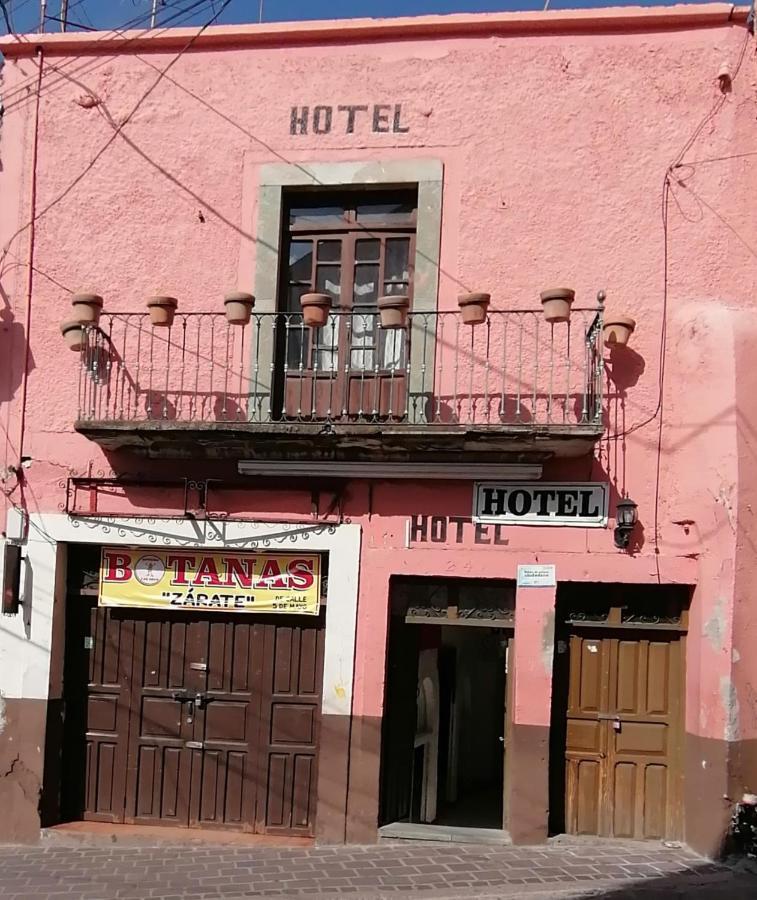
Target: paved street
104	869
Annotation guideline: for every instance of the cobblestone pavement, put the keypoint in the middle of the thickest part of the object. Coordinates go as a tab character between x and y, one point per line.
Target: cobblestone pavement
106	870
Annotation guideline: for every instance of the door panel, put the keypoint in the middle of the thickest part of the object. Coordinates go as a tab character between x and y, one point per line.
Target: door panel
586	742
584	777
292	672
224	781
398	727
623	736
106	642
160	763
625	793
655	801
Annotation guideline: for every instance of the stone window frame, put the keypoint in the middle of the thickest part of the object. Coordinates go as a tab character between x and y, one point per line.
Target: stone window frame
275	178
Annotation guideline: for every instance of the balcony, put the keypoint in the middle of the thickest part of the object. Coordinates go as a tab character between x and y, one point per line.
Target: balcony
274	388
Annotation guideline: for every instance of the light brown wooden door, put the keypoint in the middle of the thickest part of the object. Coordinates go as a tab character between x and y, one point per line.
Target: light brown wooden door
623	740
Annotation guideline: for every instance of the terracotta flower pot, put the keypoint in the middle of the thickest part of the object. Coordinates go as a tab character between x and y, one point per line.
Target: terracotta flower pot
618	330
87	308
393	310
315	309
162	310
238	306
474	307
556	304
73	334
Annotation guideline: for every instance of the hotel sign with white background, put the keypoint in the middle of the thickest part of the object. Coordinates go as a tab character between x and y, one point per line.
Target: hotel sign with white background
541	503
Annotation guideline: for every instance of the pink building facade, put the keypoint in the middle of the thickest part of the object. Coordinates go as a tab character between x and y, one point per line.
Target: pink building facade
482	653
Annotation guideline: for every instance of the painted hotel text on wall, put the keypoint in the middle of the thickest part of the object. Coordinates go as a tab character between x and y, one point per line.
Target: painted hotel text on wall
379	118
451	530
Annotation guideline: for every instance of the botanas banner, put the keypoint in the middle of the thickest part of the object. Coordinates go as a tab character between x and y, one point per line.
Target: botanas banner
217	582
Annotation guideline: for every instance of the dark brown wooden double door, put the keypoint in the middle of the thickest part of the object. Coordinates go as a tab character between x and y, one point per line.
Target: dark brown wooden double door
624	727
200	721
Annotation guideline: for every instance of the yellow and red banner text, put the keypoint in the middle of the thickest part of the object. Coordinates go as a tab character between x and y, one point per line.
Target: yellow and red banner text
210	580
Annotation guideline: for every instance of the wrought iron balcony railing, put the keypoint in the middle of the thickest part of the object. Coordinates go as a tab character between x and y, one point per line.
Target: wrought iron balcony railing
514	371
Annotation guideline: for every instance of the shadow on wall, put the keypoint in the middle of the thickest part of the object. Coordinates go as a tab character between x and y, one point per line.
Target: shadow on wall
12	348
624	368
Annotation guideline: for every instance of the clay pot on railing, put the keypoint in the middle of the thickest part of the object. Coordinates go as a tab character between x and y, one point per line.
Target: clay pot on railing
393	309
556	304
474	307
162	311
315	309
73	334
87	308
238	307
617	330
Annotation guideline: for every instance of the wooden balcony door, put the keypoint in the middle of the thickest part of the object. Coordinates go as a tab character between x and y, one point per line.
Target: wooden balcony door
355	249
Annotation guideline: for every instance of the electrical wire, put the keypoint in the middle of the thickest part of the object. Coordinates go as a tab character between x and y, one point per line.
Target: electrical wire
6	16
118	129
65	17
36	216
177	18
665	207
69	22
665	204
714	159
126	25
667	192
30	273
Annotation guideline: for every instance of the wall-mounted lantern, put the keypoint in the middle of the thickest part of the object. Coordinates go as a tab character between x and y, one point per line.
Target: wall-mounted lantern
626	517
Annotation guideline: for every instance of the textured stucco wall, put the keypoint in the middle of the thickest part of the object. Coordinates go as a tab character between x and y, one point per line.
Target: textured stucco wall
554	149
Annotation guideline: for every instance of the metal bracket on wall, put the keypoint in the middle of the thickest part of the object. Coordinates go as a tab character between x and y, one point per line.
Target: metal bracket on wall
92	487
194	497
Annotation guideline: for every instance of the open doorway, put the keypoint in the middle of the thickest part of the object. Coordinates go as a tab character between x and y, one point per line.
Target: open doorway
471	734
444	737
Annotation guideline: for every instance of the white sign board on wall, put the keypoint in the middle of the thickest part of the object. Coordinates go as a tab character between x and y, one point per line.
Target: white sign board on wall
537	576
541	503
